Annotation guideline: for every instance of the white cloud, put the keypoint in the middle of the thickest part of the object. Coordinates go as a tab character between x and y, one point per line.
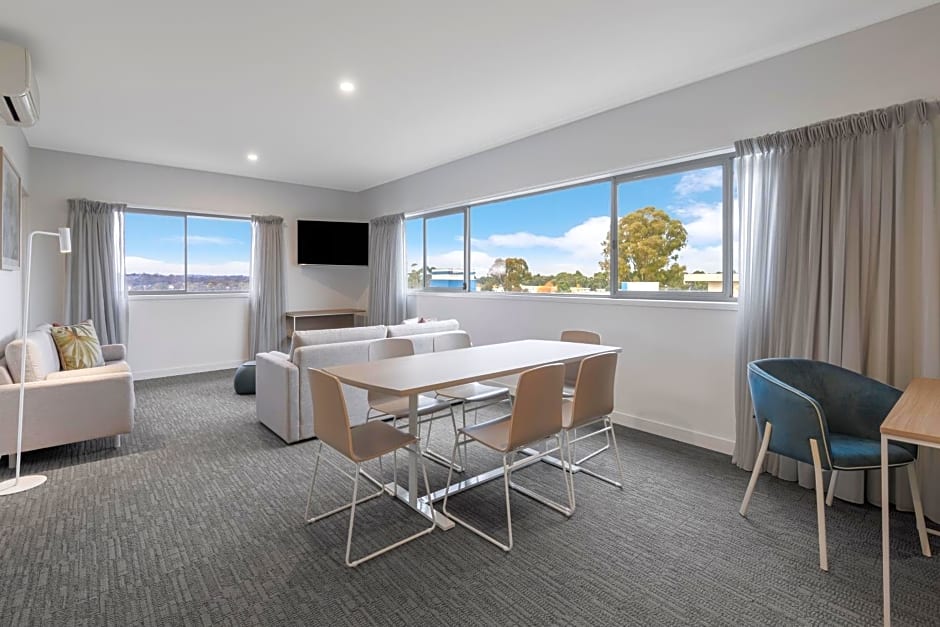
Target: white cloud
142	265
703	222
707	258
699	181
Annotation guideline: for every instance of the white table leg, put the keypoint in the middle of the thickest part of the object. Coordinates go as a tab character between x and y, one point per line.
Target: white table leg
885	533
413	457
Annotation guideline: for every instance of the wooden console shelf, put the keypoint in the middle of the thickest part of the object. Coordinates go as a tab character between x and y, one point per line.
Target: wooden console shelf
308	319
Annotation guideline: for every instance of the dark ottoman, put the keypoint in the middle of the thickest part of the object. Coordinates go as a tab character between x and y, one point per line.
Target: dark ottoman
245	378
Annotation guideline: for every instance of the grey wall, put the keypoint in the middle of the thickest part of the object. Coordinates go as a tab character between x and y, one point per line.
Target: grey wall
12	141
887	63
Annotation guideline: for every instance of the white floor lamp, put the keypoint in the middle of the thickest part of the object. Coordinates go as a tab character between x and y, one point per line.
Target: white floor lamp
21	484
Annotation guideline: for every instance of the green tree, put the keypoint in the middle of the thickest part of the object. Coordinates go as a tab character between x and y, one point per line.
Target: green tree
415	280
648	245
698	285
517	273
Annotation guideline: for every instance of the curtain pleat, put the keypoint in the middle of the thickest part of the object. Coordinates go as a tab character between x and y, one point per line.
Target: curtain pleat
267	289
96	287
839	241
387	269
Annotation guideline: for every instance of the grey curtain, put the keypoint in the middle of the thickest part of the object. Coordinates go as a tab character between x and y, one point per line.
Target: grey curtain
840	262
267	287
387	269
95	276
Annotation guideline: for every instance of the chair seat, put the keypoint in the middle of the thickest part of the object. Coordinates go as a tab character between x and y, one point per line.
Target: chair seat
473	392
374	439
566	419
397	406
852	453
492	433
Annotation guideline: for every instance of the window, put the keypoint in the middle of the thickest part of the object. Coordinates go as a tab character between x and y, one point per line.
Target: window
545	243
179	253
671	229
674	238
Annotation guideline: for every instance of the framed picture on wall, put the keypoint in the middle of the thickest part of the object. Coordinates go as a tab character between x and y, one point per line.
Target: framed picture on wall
11	196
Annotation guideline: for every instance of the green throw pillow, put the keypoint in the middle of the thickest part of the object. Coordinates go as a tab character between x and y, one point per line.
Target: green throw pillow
78	346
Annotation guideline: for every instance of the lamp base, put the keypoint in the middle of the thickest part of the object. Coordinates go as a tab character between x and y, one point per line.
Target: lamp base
12	486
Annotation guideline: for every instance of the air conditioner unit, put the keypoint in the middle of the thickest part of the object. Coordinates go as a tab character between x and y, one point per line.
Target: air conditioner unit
19	94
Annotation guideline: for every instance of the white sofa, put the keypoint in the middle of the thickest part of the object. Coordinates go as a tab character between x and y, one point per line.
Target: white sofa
63	406
282	398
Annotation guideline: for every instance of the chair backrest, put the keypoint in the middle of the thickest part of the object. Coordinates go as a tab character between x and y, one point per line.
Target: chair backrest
581	337
330	417
536	414
390	347
451	341
594	390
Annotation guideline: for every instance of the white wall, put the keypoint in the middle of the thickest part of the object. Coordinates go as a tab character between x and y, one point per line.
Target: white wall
677	372
171	335
13	142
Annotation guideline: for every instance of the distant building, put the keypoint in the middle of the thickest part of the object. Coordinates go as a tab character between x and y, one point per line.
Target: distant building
639	286
449	278
714	281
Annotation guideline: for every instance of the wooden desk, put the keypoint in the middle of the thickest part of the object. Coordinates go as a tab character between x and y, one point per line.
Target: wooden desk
915	419
308	319
410	376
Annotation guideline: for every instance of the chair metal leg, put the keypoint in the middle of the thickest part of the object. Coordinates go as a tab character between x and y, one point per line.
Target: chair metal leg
312	519
352	515
117	441
607	429
832	487
758	469
558	507
918	510
436	457
820	505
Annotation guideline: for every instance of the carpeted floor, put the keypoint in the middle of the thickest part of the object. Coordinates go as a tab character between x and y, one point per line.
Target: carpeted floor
198	520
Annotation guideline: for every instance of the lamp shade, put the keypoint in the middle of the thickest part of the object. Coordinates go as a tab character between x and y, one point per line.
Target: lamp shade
65	240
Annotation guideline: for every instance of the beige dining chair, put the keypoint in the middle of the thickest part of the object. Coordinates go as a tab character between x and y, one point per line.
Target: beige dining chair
388	406
571	378
359	444
473	396
536	416
593	403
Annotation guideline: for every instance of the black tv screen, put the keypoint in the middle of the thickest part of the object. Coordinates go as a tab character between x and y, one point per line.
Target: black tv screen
321	242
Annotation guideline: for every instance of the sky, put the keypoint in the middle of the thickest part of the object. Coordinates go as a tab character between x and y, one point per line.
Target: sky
564	230
154	243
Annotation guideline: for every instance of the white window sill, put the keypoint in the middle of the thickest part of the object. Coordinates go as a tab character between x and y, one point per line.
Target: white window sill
606	301
194	296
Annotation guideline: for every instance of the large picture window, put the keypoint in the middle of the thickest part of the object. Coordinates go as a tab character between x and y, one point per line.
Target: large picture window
179	253
673	238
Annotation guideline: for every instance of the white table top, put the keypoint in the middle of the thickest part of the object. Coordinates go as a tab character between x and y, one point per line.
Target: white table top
432	371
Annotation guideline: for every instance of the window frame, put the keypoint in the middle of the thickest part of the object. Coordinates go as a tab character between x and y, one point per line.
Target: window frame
185	215
724	159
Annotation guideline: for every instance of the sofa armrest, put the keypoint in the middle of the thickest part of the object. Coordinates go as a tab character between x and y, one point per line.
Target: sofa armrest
68	410
110	368
114	352
277	395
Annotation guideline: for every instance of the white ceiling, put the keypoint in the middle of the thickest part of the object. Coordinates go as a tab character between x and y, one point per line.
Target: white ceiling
198	84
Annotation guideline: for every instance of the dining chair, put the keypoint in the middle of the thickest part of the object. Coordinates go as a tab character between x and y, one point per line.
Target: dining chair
593	403
359	444
830	417
571	378
388	406
536	416
475	395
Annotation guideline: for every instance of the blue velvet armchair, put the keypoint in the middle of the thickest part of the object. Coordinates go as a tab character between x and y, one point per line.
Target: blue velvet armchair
826	416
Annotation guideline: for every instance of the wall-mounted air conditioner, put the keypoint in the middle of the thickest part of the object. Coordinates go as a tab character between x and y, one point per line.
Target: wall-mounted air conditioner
19	94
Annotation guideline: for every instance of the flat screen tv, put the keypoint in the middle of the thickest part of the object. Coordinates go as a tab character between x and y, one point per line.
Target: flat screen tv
326	243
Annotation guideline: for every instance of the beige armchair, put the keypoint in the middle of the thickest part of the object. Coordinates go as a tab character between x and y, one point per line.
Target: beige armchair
63	407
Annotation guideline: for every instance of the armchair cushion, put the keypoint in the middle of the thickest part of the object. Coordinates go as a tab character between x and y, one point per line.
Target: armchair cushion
78	345
113	352
40	354
5	378
852	453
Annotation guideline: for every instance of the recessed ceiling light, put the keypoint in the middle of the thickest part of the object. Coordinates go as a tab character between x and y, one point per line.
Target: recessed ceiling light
347	87
251	156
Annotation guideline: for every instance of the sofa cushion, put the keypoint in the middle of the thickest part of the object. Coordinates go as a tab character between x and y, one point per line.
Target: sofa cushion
78	346
421	328
5	378
108	368
317	337
41	355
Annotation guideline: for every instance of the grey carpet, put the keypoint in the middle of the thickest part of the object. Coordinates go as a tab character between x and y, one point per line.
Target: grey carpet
197	520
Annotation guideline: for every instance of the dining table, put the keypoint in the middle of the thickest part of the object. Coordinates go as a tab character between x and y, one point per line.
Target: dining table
413	375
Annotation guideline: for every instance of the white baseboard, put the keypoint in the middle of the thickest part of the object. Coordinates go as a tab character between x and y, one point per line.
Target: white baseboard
680	434
140	375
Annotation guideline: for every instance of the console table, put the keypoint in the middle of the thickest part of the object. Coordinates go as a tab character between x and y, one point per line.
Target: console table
322	319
